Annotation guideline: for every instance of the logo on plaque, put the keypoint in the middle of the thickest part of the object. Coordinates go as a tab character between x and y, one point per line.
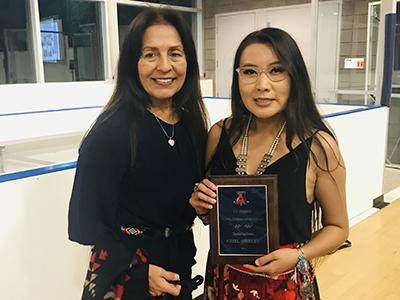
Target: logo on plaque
241	198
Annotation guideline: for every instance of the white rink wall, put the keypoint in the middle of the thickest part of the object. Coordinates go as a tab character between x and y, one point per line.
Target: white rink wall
36	97
38	261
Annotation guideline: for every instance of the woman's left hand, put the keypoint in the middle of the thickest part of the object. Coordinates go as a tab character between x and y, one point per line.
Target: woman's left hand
276	262
159	282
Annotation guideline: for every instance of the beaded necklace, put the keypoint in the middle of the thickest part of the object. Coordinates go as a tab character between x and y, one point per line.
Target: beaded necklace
241	161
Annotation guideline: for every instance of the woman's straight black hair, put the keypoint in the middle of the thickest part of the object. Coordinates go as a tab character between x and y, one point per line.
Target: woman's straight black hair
187	103
301	114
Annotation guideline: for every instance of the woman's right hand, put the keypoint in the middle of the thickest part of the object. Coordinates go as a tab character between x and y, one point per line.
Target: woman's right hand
158	282
203	197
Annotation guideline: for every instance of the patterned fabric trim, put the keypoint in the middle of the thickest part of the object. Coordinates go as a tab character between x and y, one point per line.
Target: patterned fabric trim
160	232
95	263
235	282
132	231
98	271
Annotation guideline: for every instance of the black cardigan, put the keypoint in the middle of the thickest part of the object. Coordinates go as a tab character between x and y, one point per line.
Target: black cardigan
153	192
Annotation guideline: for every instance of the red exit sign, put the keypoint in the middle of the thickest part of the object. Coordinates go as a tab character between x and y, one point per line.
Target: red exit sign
354	63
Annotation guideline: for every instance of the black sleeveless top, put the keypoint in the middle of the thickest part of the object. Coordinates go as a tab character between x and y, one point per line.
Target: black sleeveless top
294	210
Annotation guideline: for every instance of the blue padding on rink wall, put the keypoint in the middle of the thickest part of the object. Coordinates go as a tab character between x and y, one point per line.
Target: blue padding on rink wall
212	97
388	59
344	104
71	165
37	171
352	111
48	111
360	107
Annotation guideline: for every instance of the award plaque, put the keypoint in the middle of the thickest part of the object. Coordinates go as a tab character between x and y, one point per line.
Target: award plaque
244	221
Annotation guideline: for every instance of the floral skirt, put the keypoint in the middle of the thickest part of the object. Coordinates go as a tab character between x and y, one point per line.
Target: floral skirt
118	270
232	282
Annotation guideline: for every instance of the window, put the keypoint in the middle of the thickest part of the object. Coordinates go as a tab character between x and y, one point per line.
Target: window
187	3
71	36
16	53
127	13
125	16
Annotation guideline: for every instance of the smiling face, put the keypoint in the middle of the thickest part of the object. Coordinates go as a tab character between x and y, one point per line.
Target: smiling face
264	98
162	66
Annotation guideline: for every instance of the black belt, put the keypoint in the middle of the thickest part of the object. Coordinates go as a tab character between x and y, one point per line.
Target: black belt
166	232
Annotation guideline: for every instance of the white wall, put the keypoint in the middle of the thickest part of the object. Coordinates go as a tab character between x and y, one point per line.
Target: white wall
32	97
218	108
37	260
363	147
230	30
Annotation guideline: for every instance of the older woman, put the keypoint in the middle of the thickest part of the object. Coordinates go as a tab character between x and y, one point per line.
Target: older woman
137	166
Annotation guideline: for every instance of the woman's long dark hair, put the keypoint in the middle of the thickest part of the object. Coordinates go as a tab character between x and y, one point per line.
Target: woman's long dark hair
301	114
187	103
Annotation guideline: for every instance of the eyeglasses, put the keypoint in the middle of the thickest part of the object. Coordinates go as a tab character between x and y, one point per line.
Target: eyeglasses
251	74
152	56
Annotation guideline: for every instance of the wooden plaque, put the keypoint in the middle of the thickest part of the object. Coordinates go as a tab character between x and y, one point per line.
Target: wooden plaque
244	221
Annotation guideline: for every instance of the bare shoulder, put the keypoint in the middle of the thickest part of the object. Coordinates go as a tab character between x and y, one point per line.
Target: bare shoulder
328	142
326	150
215	130
213	139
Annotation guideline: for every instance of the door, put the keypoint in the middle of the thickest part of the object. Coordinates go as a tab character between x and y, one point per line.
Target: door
230	30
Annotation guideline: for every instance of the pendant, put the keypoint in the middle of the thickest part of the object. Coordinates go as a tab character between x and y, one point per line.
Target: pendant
171	142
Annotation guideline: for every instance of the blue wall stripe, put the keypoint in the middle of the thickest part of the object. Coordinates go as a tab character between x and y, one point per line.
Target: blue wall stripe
48	111
211	97
324	103
37	171
345	104
360	107
326	116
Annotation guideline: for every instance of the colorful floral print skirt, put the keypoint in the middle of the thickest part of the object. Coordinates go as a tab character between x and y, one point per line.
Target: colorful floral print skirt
233	282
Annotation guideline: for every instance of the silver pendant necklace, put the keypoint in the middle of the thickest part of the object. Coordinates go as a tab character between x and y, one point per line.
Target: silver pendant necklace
241	161
170	138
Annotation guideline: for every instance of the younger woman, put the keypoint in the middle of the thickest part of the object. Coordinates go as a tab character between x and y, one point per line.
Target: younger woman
275	128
